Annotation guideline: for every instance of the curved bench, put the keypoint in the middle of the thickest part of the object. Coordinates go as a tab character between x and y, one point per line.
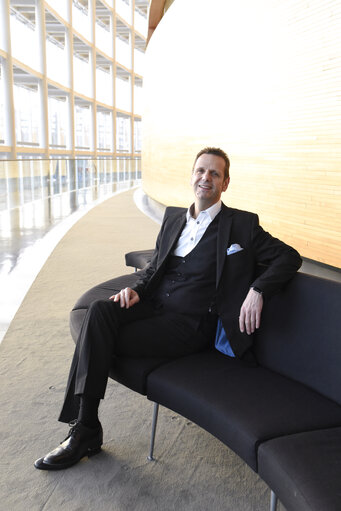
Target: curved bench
304	469
282	417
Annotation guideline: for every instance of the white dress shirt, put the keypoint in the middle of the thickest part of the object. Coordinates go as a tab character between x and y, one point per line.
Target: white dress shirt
195	229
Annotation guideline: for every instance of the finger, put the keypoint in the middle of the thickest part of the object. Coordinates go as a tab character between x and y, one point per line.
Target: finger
135	299
249	322
122	301
248	326
252	322
127	297
241	320
258	314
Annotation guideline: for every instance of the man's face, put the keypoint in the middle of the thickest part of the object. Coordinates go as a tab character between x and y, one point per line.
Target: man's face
208	179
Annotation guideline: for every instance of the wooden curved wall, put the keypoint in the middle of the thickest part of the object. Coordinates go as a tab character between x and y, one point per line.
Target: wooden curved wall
260	79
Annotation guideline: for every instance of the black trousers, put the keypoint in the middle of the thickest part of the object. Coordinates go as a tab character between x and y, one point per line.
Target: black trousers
140	331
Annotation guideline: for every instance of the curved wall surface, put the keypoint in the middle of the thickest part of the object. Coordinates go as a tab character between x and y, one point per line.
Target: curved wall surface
260	79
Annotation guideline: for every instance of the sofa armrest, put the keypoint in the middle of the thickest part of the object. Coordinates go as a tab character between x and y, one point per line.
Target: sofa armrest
139	258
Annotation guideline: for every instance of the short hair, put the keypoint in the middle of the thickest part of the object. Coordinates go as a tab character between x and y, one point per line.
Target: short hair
217	152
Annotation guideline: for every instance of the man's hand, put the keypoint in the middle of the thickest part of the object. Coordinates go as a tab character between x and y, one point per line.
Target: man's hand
127	297
250	312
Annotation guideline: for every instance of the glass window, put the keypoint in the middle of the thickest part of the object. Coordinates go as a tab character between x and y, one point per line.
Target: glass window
138	96
139	61
141	21
82	76
104	81
81	67
104	130
56	51
137	136
27	114
61	7
57	68
81	18
2	106
24	38
82	126
123	8
123	133
58	121
104	32
123	91
123	44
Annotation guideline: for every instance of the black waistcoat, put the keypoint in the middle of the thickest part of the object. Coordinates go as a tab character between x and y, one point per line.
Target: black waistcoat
188	284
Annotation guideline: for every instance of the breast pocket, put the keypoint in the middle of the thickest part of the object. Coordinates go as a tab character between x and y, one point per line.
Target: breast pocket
239	262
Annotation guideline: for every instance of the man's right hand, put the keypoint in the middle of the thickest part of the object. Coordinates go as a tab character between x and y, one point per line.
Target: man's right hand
127	297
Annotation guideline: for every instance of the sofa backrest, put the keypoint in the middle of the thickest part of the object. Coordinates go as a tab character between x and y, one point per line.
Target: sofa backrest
300	334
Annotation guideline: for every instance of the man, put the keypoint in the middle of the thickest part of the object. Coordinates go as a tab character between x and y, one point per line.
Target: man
203	268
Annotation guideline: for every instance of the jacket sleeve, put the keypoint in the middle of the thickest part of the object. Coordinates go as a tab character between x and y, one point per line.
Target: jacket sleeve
147	273
280	261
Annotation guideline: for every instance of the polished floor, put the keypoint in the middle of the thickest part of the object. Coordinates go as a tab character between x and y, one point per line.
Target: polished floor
29	233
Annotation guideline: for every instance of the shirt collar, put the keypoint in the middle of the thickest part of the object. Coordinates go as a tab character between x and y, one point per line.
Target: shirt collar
211	211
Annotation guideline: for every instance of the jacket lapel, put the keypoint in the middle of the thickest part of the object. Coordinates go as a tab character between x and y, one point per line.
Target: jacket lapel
223	238
173	233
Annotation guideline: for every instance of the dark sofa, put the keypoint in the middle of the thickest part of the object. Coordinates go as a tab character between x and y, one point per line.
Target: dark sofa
283	418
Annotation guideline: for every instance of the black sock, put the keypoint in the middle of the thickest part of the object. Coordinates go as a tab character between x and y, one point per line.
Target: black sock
88	411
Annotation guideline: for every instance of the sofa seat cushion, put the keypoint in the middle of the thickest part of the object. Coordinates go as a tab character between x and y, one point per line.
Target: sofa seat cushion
242	406
304	470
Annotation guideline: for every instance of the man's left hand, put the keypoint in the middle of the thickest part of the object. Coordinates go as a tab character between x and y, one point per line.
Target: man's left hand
250	312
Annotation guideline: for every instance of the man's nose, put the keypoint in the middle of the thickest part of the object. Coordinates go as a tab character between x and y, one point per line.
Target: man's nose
206	176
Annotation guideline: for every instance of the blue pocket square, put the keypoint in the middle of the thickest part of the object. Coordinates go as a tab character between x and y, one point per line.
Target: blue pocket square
235	247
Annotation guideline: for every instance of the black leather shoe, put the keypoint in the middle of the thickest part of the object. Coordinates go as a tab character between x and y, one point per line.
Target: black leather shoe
81	441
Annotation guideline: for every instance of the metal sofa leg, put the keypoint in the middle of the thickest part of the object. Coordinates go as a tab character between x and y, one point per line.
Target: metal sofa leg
152	441
273	501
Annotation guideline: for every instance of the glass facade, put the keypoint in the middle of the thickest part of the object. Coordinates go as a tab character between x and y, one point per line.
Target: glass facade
70	78
69	125
35	195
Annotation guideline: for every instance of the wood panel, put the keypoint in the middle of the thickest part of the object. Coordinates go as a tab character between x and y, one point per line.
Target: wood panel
262	81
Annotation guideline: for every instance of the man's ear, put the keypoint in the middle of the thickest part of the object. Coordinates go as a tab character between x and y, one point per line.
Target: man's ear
226	184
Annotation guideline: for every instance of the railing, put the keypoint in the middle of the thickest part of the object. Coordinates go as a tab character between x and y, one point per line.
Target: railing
27	181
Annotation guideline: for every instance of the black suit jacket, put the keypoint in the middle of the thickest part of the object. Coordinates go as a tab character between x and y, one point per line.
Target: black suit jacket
236	273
